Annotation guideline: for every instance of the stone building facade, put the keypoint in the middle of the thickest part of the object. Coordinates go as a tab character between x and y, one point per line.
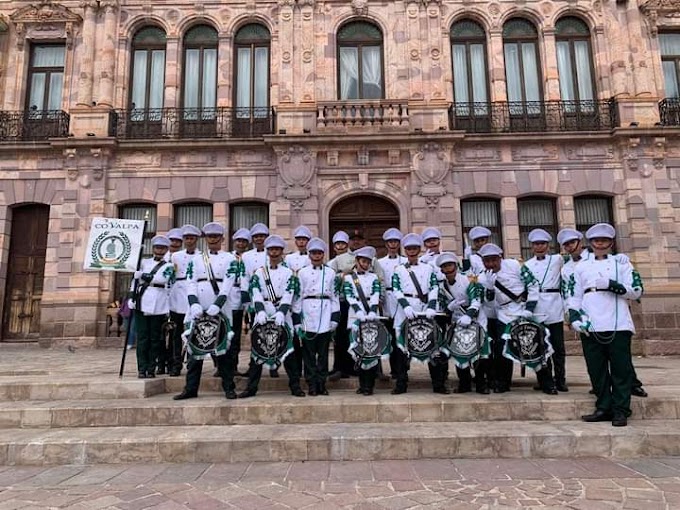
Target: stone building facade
334	114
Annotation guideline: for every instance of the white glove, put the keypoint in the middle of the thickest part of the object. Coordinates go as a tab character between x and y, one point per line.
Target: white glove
455	304
213	310
361	316
131	304
372	316
334	325
579	327
622	258
527	314
489	280
430	313
467	252
138	275
196	311
464	320
260	318
602	283
279	318
409	313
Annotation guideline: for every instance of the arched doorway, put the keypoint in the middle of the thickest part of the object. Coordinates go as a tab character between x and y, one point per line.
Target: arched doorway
25	272
369	214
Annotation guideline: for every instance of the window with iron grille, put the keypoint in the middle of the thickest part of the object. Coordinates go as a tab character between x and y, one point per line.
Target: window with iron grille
522	72
536	212
470	78
246	214
200	73
144	212
251	44
669	44
482	212
196	214
360	61
45	78
574	61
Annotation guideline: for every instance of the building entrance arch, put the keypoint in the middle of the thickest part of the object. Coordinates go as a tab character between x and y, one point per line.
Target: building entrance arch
369	214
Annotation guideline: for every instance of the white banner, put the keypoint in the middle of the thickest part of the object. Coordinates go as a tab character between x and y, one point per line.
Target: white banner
114	245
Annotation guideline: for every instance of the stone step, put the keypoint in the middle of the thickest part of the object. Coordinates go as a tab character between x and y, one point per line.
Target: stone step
58	388
341	441
339	407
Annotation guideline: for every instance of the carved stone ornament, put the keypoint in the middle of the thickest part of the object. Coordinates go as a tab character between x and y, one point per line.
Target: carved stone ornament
431	165
653	9
296	169
45	21
360	7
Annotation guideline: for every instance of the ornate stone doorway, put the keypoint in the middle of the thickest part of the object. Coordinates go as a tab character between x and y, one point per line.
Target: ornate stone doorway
370	214
25	272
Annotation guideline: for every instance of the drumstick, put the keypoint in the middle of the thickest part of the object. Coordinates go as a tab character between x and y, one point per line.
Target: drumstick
437	314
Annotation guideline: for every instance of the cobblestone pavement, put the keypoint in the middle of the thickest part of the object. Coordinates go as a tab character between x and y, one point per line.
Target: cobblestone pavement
587	484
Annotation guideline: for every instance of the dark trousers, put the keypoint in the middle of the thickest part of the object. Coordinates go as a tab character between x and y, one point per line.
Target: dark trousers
236	327
481	375
342	360
149	331
175	356
610	370
225	368
401	366
439	373
315	356
367	378
500	374
292	370
389	324
555	372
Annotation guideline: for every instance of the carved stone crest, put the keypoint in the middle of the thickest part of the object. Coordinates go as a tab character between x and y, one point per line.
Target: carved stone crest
360	7
431	164
296	167
45	21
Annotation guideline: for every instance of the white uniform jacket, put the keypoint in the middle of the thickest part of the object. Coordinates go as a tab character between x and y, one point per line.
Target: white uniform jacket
388	265
239	295
297	260
318	304
468	294
274	290
548	274
370	286
200	290
179	302
156	292
518	280
406	293
606	309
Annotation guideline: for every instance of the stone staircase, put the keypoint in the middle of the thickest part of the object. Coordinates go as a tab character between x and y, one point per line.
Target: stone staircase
53	414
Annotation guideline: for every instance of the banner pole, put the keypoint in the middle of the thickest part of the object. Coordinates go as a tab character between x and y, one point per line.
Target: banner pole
132	312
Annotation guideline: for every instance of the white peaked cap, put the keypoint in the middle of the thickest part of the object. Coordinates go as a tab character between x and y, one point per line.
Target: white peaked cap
490	250
317	244
601	230
412	240
367	252
274	241
446	257
568	234
340	237
478	232
538	235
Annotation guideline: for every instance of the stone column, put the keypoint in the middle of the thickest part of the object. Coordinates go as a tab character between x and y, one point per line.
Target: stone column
172	73
308	51
285	61
86	76
225	71
552	78
414	52
108	53
497	63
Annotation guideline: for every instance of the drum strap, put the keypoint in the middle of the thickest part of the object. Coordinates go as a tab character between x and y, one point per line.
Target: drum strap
416	284
360	292
513	297
142	288
211	274
270	287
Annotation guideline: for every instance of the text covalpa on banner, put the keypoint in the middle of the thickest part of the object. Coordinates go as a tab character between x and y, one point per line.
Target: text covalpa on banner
114	244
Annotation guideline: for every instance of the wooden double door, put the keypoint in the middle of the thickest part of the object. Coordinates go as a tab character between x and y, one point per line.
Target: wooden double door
25	272
369	214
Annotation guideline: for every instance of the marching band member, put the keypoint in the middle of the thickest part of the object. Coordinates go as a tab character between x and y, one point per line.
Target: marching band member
212	279
316	314
472	262
392	238
178	294
240	296
508	284
415	286
299	259
599	311
547	271
362	291
175	236
273	289
150	285
167	351
461	296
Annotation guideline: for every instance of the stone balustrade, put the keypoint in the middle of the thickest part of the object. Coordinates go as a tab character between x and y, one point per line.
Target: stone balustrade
343	114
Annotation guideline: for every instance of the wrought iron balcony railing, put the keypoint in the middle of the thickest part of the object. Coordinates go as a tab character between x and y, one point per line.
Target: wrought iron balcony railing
188	123
537	116
33	125
669	111
362	113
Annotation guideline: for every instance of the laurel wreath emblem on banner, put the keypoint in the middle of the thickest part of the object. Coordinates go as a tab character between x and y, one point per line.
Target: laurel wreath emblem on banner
114	254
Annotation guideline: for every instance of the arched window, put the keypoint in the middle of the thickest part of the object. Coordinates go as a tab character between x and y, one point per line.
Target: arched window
536	212
251	46
200	73
670	59
147	82
360	61
522	72
470	78
574	61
